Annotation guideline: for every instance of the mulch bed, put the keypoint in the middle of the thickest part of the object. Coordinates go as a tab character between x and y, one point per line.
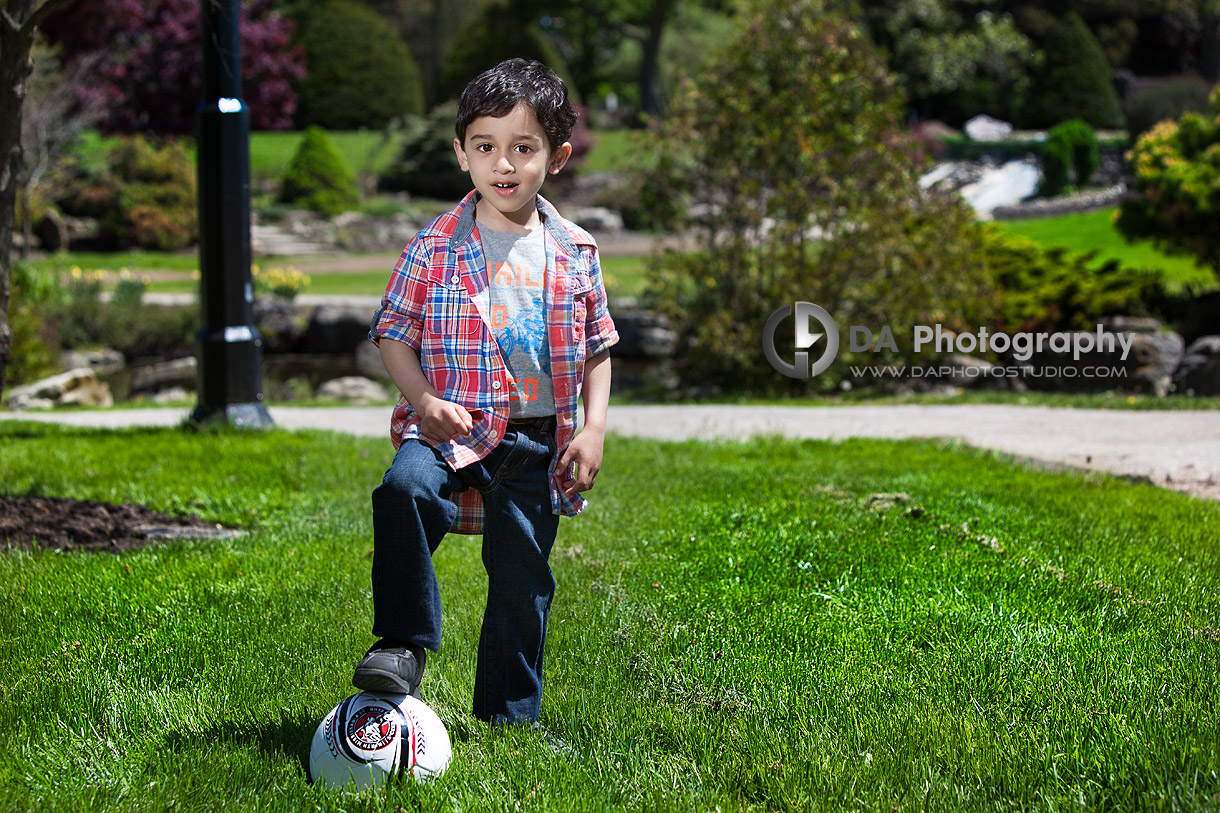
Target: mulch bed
57	523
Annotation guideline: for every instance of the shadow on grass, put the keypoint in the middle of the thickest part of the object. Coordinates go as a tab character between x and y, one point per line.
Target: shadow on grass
289	736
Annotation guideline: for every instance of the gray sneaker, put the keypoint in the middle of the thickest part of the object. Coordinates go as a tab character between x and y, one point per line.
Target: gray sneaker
391	669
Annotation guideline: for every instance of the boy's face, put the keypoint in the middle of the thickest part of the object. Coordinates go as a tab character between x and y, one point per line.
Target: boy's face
508	158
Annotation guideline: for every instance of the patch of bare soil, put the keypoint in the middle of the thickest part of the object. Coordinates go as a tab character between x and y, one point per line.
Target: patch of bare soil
58	523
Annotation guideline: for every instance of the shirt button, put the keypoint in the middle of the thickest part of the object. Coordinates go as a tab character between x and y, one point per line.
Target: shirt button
455	279
495	385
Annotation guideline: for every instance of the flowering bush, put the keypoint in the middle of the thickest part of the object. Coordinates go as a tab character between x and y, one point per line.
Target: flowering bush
1177	178
283	281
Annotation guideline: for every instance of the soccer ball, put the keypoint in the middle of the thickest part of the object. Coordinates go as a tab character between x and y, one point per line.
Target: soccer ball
371	736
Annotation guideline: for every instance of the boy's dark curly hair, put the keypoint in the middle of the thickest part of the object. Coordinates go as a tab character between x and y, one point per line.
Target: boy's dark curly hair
497	91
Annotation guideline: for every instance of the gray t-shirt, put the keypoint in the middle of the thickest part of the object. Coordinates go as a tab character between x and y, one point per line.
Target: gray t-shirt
516	277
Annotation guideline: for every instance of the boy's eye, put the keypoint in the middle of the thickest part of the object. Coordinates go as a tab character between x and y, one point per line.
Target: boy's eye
483	147
523	148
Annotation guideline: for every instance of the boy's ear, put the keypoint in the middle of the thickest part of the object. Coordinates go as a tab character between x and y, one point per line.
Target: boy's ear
461	155
560	157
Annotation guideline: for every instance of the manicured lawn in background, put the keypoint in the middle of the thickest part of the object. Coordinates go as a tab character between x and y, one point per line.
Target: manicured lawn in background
624	276
619	150
739	626
363	150
1089	231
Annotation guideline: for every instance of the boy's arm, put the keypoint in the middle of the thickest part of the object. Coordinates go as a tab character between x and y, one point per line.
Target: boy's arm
440	420
585	450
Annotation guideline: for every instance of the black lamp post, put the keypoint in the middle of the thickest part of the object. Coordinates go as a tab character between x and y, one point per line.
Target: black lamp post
230	347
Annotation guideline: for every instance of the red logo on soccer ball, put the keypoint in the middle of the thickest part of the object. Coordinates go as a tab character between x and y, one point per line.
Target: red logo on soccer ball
371	728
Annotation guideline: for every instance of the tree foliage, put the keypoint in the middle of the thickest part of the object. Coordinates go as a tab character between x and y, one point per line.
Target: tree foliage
1177	180
1073	81
498	33
803	185
150	72
621	45
360	73
954	61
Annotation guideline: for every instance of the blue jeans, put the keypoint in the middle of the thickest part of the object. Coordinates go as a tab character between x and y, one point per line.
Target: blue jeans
412	512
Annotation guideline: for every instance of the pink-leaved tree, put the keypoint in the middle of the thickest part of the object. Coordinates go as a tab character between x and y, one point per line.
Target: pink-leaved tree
149	77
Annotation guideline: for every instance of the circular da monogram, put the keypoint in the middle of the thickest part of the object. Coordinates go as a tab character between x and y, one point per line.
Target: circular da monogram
371	728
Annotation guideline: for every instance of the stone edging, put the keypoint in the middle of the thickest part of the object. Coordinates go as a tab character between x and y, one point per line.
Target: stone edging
1050	207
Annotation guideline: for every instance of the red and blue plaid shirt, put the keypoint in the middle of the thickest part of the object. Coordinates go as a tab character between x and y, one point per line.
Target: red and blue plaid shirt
437	302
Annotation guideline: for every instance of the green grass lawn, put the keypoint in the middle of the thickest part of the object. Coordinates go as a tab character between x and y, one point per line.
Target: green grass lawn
738	627
618	150
1090	231
624	276
369	150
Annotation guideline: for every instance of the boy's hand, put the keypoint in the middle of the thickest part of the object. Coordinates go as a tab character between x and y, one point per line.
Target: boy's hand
441	421
584	453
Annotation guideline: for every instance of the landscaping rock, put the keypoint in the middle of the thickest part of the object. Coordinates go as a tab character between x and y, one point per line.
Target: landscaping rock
75	387
52	232
181	372
970	373
353	231
337	329
1148	369
643	334
278	324
1087	201
353	389
597	219
1199	371
985	128
368	361
103	361
1200	317
171	395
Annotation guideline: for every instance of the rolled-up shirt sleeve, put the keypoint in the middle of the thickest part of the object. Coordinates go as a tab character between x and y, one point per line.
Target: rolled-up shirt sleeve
600	333
401	315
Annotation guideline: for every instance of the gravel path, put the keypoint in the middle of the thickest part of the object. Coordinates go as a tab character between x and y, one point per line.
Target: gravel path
1177	449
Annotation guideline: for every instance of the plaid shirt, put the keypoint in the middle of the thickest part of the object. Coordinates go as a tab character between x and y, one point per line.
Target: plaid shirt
437	302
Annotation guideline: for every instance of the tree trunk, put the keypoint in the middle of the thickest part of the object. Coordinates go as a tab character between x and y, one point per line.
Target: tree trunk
1209	40
650	65
14	67
18	21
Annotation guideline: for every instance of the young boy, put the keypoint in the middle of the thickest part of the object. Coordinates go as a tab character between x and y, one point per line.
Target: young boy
493	322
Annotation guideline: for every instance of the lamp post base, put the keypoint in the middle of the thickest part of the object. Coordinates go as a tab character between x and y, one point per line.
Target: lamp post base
239	416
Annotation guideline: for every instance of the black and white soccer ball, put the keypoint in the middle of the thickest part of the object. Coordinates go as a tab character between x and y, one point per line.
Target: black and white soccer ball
370	737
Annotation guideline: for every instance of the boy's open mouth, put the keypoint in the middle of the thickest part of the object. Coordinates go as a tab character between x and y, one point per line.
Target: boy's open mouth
505	188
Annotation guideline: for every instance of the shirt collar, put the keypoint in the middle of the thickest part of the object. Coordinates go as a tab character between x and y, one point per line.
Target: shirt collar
551	221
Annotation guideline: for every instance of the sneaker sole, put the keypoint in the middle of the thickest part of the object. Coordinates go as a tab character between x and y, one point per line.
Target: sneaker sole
377	680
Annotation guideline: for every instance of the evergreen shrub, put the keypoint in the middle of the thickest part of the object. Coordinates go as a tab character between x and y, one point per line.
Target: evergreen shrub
360	73
1042	289
147	197
318	178
427	165
1165	99
1074	81
1070	155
